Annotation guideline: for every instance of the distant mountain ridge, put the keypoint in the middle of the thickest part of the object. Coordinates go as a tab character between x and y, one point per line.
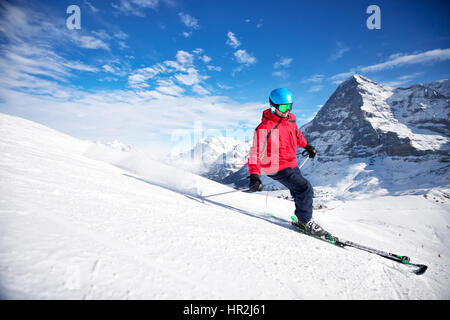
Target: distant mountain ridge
214	157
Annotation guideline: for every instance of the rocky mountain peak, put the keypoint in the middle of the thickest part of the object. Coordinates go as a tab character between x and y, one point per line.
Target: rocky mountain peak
362	119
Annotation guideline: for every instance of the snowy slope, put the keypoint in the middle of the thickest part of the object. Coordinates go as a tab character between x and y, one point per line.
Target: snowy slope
73	227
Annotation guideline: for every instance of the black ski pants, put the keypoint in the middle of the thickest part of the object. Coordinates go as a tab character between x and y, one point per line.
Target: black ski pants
301	190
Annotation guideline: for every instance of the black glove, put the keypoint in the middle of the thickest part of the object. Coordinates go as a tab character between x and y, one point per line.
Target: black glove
255	183
311	150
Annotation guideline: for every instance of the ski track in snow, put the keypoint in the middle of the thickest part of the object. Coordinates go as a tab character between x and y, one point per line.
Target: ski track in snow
72	227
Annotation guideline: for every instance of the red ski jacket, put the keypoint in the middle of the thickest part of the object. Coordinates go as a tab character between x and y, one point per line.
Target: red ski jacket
275	144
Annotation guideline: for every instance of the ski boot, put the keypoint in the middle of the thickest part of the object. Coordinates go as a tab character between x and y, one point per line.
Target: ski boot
314	229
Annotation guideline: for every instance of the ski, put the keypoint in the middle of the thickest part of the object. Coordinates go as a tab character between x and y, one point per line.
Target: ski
415	268
328	238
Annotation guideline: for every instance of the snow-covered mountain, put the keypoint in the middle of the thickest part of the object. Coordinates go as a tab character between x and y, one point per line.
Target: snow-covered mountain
378	139
441	86
364	119
214	157
128	227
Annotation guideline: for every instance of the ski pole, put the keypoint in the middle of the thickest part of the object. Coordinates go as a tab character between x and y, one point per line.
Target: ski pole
246	189
217	194
304	161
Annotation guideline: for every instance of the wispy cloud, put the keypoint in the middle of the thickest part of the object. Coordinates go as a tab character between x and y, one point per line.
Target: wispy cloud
402	80
169	87
232	40
244	57
315	78
396	60
431	56
280	67
206	59
281	74
138	79
189	21
135	7
214	68
121	35
339	51
184	57
181	73
89	42
189	78
283	63
315	88
91	7
29	61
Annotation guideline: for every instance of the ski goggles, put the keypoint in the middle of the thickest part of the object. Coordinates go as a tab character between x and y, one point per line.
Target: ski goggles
281	107
284	107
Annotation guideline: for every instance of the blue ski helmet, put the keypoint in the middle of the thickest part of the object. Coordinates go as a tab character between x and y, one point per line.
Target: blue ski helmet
281	97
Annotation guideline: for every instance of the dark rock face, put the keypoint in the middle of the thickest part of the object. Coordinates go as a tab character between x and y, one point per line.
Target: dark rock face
366	119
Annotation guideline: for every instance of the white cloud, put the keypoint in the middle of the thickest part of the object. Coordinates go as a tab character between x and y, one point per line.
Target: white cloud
402	80
121	35
174	66
122	45
396	60
315	88
315	78
338	78
281	74
23	66
214	68
206	59
93	9
184	57
102	34
89	42
22	24
190	78
244	58
283	63
200	90
108	68
139	77
168	87
198	51
189	21
232	40
339	51
76	65
223	86
135	7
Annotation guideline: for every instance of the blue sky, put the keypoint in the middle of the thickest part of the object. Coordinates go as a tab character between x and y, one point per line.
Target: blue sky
148	71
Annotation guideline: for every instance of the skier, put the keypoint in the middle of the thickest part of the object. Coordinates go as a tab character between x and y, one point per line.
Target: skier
274	151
